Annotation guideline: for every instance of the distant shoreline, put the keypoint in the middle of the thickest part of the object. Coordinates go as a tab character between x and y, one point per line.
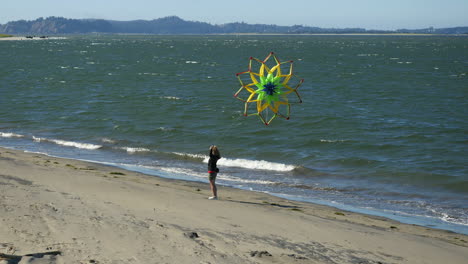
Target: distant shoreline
342	34
248	34
175	25
31	38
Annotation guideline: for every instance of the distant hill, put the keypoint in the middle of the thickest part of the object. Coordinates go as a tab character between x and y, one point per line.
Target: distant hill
176	25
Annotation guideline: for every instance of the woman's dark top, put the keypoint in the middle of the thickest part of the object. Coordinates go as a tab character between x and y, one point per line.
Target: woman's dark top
212	162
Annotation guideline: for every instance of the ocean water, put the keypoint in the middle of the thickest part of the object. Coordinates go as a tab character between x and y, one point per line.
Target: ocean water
382	128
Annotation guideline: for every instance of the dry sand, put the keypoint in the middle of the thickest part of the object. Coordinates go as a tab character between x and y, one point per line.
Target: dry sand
67	211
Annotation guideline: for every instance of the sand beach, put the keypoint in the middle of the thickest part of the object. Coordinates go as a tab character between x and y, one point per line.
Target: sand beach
55	210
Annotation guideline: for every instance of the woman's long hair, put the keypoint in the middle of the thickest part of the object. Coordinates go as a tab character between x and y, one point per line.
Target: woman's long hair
215	151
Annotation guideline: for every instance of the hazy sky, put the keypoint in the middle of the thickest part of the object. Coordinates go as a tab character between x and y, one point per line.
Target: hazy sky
369	14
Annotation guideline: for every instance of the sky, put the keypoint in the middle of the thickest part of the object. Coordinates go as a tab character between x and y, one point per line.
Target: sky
368	14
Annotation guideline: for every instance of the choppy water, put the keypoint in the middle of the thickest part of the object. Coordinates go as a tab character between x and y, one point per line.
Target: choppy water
382	130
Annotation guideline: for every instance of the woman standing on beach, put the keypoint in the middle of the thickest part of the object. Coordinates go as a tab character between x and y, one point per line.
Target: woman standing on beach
213	170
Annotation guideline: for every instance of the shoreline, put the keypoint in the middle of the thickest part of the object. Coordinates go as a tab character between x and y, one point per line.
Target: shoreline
249	34
343	34
89	211
32	38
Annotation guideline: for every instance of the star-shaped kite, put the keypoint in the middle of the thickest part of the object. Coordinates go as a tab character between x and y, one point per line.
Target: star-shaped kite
269	88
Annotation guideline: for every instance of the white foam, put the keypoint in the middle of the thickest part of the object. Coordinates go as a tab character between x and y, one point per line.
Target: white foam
76	144
165	128
240	180
68	143
332	140
10	135
243	163
367	55
108	140
170	97
449	219
188	173
38	139
181	171
197	156
135	150
38	152
253	164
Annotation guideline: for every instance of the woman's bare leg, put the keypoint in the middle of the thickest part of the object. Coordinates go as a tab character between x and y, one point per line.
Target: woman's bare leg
214	190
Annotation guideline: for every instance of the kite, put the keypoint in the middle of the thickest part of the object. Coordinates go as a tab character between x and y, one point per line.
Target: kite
268	88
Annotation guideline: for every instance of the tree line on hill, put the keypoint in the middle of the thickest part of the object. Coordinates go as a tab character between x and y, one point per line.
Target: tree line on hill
176	25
